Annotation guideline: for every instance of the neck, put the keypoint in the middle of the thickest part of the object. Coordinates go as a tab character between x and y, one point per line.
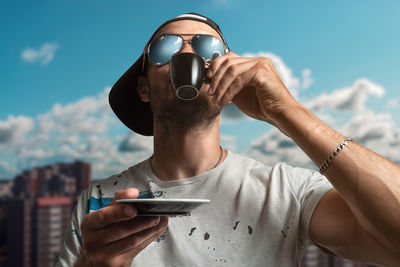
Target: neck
179	154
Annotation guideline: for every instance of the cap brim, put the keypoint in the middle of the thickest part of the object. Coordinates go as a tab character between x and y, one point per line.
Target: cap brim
126	104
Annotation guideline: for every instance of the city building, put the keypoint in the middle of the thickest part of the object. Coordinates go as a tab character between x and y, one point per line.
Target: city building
19	232
38	212
52	216
55	179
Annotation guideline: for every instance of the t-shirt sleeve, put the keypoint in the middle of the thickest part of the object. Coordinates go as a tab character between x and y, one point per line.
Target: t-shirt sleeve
71	247
308	186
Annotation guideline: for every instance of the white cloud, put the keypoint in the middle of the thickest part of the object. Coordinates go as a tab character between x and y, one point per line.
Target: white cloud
352	98
69	140
377	131
43	55
36	154
97	148
230	113
133	142
14	129
307	80
76	130
88	115
7	168
228	142
370	126
273	147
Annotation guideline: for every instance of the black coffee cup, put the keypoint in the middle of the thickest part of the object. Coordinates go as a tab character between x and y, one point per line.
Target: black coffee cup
188	73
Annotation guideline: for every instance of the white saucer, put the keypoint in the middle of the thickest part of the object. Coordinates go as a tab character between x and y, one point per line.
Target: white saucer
164	207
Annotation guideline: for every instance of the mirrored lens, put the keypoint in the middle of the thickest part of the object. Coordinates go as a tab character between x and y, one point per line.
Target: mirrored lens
208	47
162	49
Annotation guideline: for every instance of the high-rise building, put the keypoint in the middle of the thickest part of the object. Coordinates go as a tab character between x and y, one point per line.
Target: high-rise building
52	215
81	171
51	180
36	229
19	232
40	210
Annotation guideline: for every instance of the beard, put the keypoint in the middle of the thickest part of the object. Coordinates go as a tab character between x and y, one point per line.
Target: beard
175	114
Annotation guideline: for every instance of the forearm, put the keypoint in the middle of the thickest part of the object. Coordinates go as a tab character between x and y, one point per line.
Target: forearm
369	183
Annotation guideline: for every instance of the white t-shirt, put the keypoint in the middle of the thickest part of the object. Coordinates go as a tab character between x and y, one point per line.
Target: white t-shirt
258	215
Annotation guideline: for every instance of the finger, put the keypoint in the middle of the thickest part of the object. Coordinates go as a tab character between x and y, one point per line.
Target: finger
215	64
268	64
219	70
137	241
271	66
106	253
239	84
147	242
127	193
233	74
108	215
120	230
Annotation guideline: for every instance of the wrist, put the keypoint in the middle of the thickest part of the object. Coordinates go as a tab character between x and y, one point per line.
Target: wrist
312	135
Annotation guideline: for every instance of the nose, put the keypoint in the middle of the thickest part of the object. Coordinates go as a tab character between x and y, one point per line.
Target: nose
186	47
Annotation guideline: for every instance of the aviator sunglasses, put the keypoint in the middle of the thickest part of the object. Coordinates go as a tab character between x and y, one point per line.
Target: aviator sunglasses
161	50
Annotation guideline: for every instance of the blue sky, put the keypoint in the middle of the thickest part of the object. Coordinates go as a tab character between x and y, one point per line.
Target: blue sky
56	54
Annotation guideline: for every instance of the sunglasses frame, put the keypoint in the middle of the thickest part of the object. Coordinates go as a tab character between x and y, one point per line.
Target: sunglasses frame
146	51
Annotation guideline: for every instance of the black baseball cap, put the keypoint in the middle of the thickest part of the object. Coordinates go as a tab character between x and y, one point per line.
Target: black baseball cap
123	97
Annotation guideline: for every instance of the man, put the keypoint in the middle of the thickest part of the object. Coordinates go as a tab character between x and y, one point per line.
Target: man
258	215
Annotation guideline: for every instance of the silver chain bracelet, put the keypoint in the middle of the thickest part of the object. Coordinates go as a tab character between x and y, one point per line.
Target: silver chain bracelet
334	154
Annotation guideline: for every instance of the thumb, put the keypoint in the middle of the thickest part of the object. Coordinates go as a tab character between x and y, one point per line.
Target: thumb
126	193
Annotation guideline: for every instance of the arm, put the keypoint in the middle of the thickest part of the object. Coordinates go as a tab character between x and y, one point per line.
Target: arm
334	227
367	184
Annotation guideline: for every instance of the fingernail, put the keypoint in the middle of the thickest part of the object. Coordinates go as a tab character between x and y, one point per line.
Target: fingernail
209	73
214	98
128	211
210	90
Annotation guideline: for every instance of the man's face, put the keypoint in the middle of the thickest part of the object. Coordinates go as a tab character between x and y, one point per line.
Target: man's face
167	108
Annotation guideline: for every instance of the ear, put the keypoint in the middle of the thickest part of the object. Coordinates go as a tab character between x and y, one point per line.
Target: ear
143	88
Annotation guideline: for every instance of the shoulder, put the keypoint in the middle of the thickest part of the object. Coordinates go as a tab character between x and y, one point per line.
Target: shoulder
244	161
289	171
279	174
256	170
